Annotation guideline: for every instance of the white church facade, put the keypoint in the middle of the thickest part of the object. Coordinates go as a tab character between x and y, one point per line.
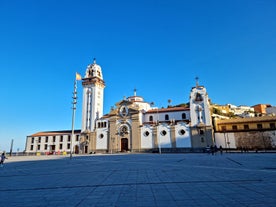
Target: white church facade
135	125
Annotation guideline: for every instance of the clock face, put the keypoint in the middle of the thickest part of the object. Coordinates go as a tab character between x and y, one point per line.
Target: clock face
123	111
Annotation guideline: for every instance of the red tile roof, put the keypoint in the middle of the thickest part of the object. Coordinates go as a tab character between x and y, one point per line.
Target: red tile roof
53	133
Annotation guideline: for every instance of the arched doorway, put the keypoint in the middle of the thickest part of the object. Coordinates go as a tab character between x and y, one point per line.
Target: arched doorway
124	144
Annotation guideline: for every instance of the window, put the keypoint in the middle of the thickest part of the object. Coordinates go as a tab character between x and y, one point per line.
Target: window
54	138
201	131
124	130
167	117
202	139
272	125
77	137
105	124
181	132
234	127
151	118
163	133
99	125
61	138
32	139
69	138
45	147
32	147
183	116
39	139
68	146
246	126
60	146
146	133
198	97
46	139
38	147
259	126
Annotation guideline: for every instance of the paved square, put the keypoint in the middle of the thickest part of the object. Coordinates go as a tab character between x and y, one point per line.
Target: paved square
140	180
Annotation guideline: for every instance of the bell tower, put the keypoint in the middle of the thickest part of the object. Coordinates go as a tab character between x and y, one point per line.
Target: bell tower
93	93
201	122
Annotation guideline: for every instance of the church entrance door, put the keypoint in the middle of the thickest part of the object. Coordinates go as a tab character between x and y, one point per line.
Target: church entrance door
124	144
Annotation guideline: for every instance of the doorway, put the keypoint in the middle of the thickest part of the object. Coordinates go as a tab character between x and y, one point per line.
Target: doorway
124	144
76	149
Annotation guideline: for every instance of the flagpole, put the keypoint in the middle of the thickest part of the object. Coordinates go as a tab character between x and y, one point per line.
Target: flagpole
73	116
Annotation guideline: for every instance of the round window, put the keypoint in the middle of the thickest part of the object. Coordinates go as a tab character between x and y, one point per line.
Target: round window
163	132
101	136
146	133
181	132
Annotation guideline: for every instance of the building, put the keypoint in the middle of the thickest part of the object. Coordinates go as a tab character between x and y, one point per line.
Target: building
133	125
241	111
52	142
261	108
250	133
271	110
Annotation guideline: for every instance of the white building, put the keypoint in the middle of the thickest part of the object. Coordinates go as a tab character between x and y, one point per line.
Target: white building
52	142
271	110
134	125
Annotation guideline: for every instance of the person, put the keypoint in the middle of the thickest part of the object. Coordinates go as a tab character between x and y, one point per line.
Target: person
3	157
212	149
215	149
220	149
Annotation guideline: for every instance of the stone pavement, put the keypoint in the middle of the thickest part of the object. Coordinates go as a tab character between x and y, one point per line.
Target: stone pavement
140	180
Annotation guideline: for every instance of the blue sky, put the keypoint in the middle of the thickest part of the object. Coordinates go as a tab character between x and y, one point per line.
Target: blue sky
158	47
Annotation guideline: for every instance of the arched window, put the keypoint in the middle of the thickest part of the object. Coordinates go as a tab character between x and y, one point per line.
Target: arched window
99	125
183	116
167	117
150	118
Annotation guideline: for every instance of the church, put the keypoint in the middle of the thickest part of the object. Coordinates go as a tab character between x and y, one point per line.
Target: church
133	125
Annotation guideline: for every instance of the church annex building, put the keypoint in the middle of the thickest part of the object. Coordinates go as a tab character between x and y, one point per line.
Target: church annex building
133	125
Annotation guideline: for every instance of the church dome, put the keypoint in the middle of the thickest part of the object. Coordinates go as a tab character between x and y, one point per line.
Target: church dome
94	70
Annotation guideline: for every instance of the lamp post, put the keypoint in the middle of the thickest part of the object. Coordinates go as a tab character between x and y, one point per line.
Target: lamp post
224	140
74	103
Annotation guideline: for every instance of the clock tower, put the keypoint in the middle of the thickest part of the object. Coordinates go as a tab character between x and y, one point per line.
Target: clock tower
93	92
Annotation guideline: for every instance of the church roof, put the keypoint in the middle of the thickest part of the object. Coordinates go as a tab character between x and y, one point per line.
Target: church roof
53	133
171	109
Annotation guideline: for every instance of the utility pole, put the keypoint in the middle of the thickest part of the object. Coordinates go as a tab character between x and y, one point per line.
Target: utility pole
11	147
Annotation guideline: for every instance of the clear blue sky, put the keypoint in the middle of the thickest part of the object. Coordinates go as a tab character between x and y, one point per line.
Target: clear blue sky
158	47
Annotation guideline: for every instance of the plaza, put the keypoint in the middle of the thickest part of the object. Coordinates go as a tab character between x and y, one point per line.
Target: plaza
198	179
